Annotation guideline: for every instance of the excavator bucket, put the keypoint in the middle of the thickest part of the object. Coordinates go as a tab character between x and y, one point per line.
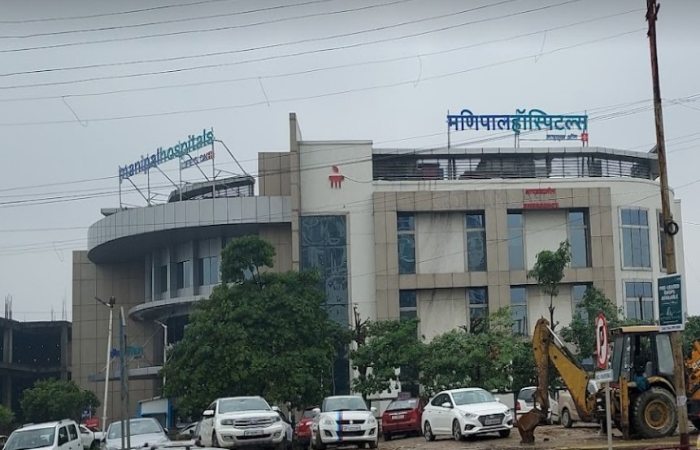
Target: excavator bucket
527	423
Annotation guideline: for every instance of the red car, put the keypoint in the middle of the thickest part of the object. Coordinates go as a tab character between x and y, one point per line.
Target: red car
402	416
302	430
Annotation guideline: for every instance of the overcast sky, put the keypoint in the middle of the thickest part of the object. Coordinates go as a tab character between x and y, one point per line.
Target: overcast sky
380	70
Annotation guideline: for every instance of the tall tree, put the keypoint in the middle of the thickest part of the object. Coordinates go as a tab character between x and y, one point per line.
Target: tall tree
260	333
549	271
56	399
581	330
459	358
387	352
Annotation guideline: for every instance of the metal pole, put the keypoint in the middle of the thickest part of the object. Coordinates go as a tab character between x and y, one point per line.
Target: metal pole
608	415
125	378
670	253
110	305
122	379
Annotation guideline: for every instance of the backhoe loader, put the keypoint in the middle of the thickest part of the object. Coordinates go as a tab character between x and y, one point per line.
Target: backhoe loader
643	399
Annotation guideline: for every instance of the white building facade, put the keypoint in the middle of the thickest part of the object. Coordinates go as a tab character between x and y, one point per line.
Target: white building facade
446	235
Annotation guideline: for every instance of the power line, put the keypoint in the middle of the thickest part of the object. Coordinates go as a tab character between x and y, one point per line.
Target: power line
323	95
275	45
117	13
296	73
214	16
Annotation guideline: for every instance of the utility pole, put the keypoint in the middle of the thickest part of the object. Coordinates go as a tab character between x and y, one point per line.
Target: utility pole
668	223
110	305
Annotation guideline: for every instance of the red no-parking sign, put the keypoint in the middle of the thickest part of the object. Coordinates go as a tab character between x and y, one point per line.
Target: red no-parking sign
601	341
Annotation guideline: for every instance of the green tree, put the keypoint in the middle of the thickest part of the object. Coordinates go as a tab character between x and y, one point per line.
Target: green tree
523	371
581	331
459	358
6	418
691	333
259	333
382	348
549	271
54	400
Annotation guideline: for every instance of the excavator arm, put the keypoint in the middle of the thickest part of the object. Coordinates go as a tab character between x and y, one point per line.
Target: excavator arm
549	349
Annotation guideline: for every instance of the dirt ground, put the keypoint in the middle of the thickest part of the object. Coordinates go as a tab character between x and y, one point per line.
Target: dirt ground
546	437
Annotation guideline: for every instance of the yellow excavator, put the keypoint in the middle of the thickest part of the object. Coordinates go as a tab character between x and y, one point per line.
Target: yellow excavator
642	393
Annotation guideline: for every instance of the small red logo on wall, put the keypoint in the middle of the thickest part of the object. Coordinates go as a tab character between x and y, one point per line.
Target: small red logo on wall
335	177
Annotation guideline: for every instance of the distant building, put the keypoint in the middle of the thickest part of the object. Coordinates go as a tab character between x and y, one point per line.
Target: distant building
32	351
444	234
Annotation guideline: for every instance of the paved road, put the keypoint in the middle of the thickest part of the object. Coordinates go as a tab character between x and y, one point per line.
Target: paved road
546	437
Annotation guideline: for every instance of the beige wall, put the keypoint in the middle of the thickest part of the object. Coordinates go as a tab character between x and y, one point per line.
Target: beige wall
280	236
274	177
90	324
444	209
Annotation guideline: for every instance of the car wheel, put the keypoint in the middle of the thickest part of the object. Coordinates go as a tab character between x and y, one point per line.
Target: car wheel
566	418
95	445
428	432
387	436
214	440
457	431
372	444
504	433
317	444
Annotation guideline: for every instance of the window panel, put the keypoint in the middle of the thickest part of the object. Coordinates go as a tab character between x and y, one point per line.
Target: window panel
639	300
163	278
407	305
635	238
516	244
478	309
518	309
405	222
578	238
578	291
407	253
476	242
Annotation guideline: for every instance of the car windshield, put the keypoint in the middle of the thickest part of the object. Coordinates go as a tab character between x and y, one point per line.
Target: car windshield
242	404
402	404
26	439
136	426
344	404
526	395
471	397
309	413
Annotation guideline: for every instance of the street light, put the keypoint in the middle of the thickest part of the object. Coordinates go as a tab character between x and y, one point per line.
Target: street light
110	305
165	344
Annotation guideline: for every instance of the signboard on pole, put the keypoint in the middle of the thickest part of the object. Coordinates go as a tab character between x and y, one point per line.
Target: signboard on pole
670	303
601	341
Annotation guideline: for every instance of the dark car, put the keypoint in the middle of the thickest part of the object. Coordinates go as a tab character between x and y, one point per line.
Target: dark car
402	416
302	430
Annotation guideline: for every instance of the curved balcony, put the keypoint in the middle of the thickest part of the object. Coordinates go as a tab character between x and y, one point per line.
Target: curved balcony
129	233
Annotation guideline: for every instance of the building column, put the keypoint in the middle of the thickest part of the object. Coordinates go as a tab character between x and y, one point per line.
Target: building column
64	352
7	345
7	391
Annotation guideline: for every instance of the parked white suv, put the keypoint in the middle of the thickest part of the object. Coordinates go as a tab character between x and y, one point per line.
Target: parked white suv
234	422
61	435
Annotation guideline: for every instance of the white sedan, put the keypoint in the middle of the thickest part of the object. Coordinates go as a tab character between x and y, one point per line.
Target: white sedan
465	412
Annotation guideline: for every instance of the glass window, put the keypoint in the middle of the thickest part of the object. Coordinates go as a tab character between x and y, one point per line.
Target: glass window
183	274
163	278
663	349
407	305
476	242
578	238
578	291
405	224
208	270
639	300
516	243
518	309
73	432
635	238
478	309
662	242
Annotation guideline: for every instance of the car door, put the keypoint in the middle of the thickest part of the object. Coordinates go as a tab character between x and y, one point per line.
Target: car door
64	441
74	437
441	414
86	436
207	426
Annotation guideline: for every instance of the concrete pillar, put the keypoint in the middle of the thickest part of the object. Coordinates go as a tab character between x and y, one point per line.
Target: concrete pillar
7	391
64	352
7	345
